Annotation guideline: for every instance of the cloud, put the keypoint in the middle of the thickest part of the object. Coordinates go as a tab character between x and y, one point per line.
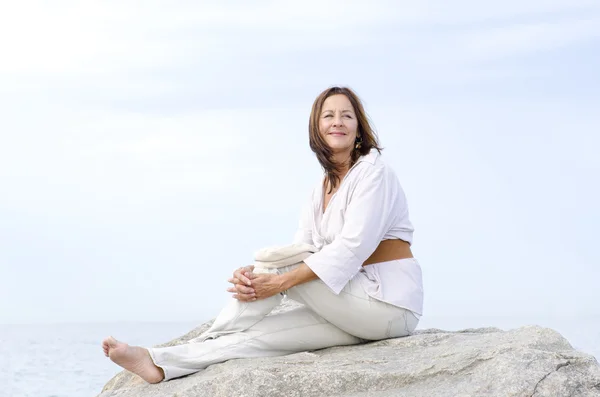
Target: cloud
52	163
525	38
158	57
71	38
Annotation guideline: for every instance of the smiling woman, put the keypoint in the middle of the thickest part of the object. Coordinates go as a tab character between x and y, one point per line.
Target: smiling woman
339	126
350	263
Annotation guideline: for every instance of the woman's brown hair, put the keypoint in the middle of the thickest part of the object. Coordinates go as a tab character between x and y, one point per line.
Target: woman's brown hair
365	134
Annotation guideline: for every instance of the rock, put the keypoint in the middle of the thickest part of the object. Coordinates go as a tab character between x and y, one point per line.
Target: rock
530	361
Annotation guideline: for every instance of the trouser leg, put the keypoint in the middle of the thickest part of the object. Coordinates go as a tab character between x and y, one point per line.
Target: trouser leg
238	316
353	310
299	329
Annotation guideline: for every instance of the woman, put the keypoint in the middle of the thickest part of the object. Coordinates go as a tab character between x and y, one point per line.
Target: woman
362	283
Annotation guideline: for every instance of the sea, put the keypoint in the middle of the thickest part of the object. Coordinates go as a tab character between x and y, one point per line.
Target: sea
66	360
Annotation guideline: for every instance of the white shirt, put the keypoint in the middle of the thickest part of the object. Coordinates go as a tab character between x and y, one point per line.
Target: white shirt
368	207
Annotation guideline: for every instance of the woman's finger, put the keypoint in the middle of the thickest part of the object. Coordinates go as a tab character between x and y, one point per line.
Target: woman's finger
252	276
243	289
244	298
240	276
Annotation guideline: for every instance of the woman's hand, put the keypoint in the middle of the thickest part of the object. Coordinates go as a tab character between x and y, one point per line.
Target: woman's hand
242	285
259	286
240	276
266	285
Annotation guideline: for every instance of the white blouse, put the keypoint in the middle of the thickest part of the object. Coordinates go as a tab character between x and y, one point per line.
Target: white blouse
368	207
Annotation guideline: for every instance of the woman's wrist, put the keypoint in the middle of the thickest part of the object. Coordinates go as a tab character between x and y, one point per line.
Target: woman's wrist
299	275
286	281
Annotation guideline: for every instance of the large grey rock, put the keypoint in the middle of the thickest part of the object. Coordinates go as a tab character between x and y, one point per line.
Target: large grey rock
528	361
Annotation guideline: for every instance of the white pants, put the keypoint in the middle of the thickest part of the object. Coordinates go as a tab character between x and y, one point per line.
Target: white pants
243	329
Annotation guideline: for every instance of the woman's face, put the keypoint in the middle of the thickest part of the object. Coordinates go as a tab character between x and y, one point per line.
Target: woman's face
338	124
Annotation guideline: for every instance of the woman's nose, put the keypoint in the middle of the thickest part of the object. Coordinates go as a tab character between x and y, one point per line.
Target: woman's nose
337	120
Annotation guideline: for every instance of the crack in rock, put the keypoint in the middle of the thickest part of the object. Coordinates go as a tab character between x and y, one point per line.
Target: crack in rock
559	366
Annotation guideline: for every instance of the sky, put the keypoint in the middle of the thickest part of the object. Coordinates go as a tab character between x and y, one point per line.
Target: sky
147	149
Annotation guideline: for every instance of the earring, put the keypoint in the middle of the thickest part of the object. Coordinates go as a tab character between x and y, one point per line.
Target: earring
358	143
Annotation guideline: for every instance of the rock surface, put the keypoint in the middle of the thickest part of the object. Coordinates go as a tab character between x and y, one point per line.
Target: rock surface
529	361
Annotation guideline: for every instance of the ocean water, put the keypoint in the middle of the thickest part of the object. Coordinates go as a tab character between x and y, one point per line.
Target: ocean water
66	360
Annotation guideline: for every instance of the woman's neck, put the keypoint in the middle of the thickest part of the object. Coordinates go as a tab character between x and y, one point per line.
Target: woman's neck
342	160
341	174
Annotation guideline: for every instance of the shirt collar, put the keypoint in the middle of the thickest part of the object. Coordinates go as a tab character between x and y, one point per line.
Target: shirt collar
370	157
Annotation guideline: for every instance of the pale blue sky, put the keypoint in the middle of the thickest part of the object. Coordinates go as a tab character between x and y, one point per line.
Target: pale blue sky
148	149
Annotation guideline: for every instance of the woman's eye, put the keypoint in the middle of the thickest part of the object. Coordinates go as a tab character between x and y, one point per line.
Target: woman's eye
327	115
348	116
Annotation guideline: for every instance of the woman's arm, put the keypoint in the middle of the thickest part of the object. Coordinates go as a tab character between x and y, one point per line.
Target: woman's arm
299	275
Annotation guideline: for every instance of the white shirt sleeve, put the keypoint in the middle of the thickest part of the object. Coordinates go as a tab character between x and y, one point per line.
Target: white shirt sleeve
304	233
371	211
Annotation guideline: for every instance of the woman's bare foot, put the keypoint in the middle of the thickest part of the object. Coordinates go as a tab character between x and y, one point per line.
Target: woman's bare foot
133	358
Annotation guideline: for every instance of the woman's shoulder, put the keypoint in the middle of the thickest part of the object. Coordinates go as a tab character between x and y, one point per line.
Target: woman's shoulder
373	164
377	173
